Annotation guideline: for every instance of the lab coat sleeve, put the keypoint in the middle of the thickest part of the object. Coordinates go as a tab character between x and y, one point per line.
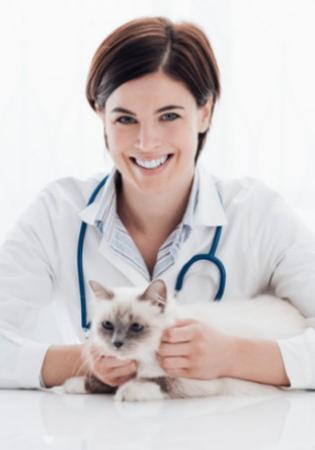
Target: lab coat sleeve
28	261
286	253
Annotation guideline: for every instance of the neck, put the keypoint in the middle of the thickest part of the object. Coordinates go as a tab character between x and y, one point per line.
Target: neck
153	214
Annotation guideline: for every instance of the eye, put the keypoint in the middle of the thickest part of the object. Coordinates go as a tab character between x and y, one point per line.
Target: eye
136	327
167	117
124	120
107	325
170	116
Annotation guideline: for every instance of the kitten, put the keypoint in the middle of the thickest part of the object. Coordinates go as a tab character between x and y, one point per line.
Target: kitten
128	323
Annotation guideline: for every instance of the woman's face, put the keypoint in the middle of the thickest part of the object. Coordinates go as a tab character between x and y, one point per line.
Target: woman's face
152	125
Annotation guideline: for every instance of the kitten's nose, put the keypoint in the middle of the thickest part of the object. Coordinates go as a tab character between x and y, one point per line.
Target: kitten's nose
118	344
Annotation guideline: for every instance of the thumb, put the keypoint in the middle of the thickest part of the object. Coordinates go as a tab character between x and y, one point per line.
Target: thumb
184	322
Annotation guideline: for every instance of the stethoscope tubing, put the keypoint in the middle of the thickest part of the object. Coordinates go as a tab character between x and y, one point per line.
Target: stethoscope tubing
84	323
210	257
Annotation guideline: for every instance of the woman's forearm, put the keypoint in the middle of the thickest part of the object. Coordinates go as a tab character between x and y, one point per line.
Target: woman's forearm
251	359
62	362
257	360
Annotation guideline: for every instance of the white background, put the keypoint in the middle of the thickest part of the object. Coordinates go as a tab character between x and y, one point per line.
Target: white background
262	127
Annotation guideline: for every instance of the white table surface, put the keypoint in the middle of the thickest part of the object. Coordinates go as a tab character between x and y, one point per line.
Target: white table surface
31	419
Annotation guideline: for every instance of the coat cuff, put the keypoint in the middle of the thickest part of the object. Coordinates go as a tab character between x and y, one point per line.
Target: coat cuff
30	361
298	357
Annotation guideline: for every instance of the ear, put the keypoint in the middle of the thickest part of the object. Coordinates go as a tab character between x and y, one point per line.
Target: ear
100	291
205	113
156	293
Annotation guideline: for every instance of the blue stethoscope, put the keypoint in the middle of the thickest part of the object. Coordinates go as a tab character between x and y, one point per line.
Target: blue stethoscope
180	277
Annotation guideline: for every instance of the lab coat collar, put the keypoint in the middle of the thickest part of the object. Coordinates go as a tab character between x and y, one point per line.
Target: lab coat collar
89	214
209	210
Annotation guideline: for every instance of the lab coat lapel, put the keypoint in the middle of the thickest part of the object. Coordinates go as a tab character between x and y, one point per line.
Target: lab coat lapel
208	216
88	215
209	213
210	208
134	276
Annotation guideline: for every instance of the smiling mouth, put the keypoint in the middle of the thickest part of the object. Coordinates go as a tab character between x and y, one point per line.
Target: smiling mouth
146	164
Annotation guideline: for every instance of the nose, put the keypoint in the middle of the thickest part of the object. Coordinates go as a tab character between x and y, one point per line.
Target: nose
118	344
148	136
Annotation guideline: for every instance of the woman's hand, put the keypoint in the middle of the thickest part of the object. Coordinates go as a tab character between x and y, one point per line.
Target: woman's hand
111	370
192	349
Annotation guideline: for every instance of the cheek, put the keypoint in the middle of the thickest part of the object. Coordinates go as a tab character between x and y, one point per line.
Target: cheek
119	137
103	341
183	136
103	334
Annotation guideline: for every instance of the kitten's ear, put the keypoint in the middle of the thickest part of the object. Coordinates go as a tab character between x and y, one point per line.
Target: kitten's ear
100	291
156	293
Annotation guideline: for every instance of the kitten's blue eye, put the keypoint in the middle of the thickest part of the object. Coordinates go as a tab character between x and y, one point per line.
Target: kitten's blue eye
136	327
107	325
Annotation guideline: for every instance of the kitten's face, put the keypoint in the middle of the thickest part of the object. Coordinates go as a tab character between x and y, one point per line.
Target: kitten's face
128	321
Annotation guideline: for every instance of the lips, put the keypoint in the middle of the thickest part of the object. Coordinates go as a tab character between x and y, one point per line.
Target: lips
154	170
169	156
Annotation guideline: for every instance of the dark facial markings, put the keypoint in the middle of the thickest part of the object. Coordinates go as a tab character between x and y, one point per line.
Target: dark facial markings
123	329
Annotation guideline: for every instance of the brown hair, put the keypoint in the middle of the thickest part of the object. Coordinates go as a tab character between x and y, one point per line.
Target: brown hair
149	44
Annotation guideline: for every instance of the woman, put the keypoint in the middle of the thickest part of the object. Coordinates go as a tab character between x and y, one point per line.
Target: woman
154	85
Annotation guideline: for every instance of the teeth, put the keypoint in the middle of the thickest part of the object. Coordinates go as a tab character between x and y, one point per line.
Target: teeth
153	164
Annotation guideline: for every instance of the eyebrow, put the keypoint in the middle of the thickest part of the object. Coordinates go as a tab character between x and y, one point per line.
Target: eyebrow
126	111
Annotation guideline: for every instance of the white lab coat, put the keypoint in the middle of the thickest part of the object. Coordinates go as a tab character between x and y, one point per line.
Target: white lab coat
263	244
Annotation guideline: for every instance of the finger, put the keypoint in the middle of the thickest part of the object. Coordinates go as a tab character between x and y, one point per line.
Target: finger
118	372
112	363
178	349
95	351
117	381
110	376
178	373
110	360
121	380
107	361
179	334
183	322
175	362
104	368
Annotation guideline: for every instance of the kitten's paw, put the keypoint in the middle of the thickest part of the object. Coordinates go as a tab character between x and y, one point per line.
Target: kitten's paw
74	385
138	390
